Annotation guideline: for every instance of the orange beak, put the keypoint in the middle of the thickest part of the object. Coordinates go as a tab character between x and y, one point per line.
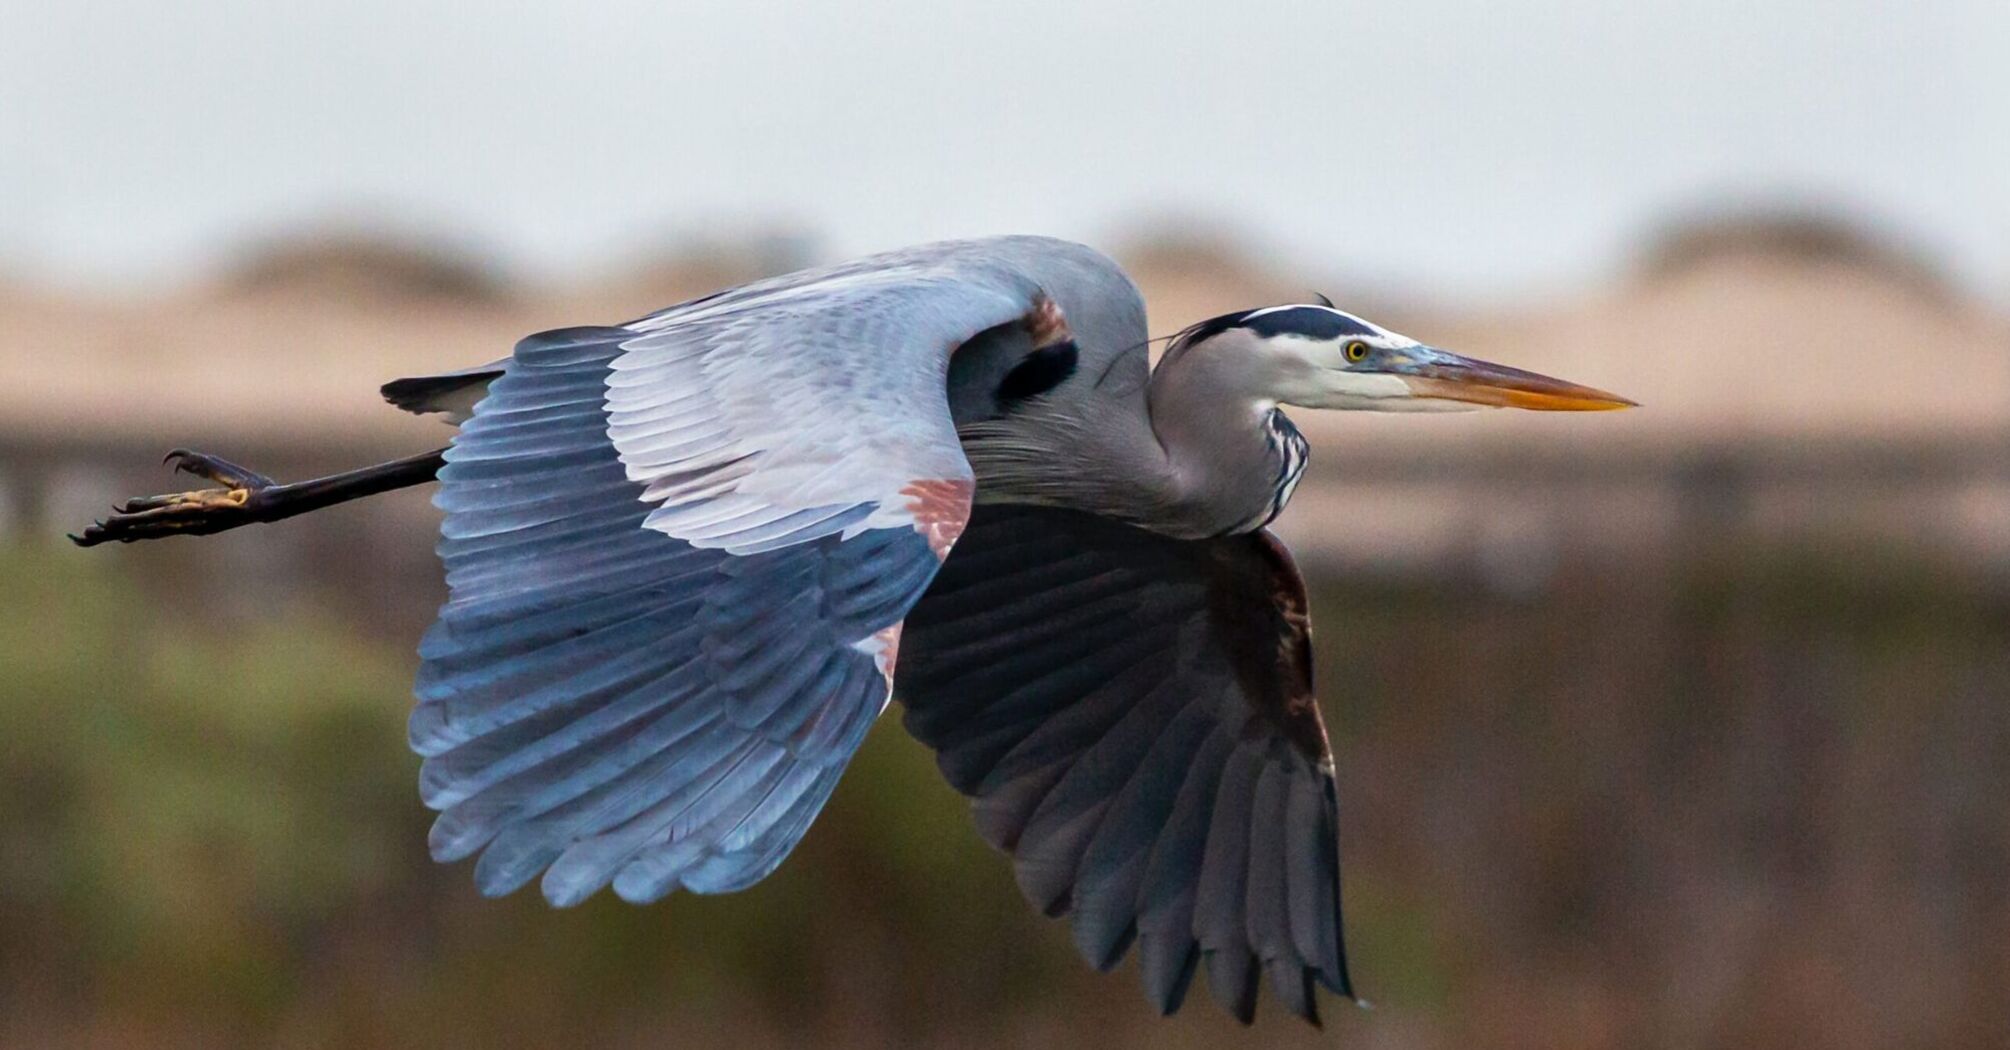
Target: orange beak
1449	377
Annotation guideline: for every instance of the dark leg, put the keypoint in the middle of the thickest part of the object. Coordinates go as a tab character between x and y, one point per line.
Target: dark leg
246	497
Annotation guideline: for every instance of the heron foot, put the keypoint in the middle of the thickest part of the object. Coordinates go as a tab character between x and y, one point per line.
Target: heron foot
240	499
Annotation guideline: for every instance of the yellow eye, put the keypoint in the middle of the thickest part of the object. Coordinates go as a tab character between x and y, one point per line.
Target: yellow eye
1357	351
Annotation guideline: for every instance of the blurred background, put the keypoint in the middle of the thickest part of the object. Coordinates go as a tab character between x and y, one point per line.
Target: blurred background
1685	727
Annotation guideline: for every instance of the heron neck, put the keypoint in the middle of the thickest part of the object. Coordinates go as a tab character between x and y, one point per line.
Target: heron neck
1228	469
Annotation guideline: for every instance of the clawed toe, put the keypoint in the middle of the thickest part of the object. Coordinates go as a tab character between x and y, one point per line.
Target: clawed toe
217	469
185	513
195	513
213	499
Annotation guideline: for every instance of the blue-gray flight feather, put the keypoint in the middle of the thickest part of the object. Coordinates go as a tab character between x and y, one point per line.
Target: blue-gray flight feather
1133	716
615	705
679	550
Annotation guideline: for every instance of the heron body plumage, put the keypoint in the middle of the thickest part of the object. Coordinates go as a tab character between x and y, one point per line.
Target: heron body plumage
691	558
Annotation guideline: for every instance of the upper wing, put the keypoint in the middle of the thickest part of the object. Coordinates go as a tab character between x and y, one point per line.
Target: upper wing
678	556
761	417
1135	717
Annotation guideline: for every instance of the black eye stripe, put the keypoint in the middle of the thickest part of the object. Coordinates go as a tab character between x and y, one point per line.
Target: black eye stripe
1311	322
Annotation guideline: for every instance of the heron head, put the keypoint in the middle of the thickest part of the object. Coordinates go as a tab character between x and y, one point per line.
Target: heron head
1315	356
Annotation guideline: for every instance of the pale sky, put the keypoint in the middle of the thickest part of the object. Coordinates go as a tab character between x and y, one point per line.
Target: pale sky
1451	146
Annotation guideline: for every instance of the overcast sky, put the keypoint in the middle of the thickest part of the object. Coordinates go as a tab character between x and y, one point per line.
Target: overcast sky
1452	145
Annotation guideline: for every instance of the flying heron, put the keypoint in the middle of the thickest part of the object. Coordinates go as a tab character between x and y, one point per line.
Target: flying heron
692	558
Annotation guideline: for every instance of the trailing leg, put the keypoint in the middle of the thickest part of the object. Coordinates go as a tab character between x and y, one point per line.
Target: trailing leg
245	497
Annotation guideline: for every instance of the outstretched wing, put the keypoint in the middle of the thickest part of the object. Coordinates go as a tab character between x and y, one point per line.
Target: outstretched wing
678	555
1134	716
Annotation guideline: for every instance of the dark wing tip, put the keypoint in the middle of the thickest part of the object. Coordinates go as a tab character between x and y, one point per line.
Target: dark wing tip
1292	983
423	394
1167	965
1103	944
1232	977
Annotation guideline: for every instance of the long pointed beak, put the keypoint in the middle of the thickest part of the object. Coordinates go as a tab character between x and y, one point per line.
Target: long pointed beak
1450	377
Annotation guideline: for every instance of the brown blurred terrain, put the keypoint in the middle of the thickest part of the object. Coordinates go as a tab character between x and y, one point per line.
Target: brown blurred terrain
1683	727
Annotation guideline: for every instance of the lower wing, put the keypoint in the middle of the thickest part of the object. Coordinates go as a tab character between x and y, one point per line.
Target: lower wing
1135	719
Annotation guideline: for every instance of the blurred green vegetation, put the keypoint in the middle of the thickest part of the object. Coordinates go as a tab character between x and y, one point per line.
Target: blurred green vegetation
1752	799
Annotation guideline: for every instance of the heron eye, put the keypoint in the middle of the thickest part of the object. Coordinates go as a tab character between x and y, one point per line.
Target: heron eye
1357	350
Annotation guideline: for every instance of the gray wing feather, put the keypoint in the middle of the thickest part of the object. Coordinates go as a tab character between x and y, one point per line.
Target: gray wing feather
755	416
678	555
1133	715
609	703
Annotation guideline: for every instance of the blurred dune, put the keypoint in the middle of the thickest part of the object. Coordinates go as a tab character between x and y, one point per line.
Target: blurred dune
1762	326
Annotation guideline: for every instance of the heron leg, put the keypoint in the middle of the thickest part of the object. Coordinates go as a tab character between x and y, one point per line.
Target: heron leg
245	497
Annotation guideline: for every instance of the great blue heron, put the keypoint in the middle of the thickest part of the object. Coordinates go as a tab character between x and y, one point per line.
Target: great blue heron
691	558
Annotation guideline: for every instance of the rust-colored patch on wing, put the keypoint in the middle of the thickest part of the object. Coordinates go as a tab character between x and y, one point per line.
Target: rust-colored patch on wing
888	656
940	507
1301	720
1047	324
1260	603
